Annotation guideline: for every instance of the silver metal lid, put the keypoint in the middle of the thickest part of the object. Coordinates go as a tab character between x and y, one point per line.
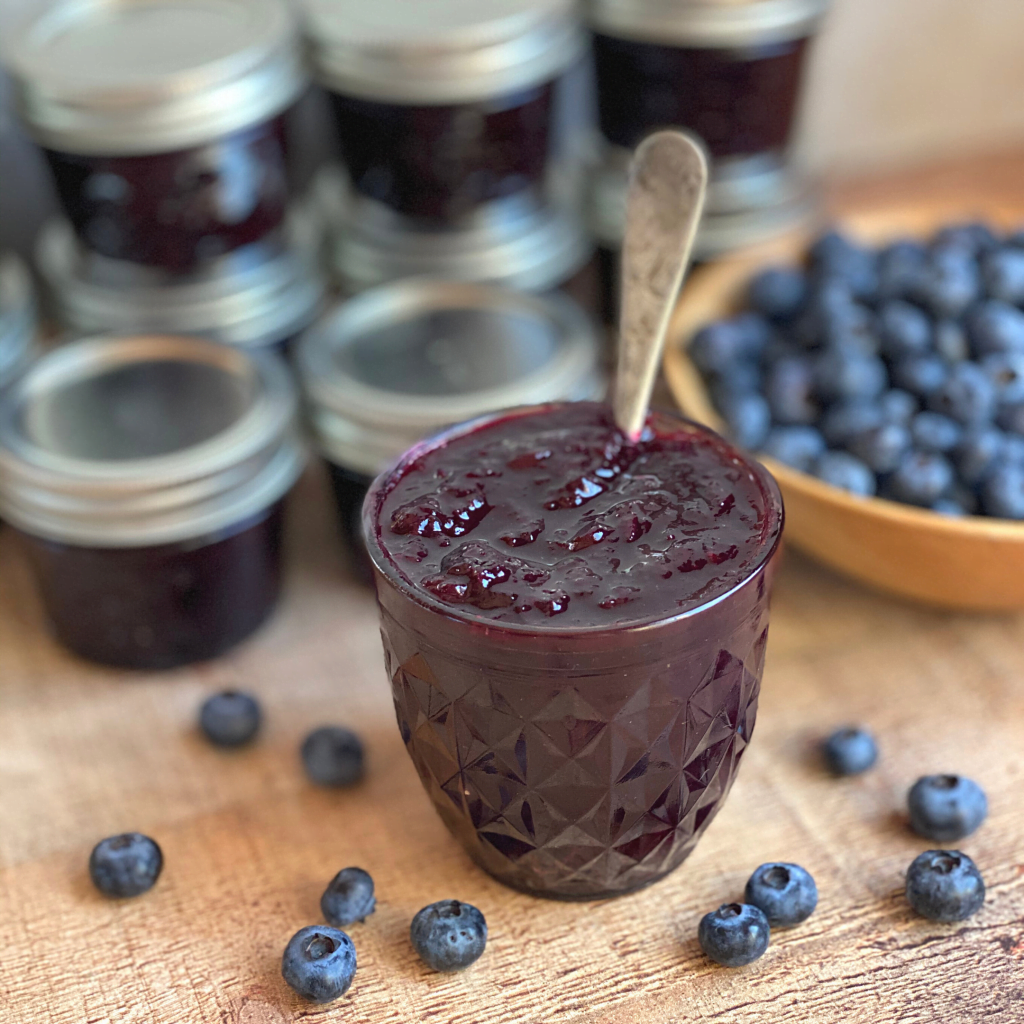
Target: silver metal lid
253	307
713	23
131	442
395	364
440	51
127	77
17	318
535	251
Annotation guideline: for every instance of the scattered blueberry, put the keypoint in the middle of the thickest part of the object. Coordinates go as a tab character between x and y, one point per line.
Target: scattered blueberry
933	432
125	865
905	330
967	395
449	935
230	718
881	448
747	417
333	756
841	469
945	885
850	751
734	935
898	406
798	447
920	479
920	375
348	897
778	292
996	327
1002	492
789	388
946	807
785	893
319	963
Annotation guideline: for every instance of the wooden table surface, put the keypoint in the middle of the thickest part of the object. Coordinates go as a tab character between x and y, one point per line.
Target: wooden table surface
249	844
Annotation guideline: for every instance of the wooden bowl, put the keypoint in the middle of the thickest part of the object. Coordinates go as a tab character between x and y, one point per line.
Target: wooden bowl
974	562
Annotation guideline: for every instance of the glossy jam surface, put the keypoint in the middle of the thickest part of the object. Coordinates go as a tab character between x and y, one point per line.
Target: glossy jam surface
557	519
180	212
162	606
441	164
741	102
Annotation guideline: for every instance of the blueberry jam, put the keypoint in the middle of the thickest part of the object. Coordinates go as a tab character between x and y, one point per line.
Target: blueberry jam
574	626
570	521
180	211
740	101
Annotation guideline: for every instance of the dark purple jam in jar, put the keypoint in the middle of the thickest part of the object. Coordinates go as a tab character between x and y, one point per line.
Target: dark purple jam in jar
146	477
446	111
165	124
574	625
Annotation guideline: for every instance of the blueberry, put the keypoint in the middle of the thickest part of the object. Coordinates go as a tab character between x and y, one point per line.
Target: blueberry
948	283
319	963
976	454
449	935
734	935
1003	274
950	507
789	387
742	378
850	751
898	406
333	756
968	395
348	897
945	885
834	318
229	718
905	330
844	419
1006	371
1011	417
785	893
933	432
973	238
951	341
834	255
946	807
778	292
920	479
996	327
1002	492
920	375
715	348
747	417
843	373
840	469
754	333
798	447
125	865
1012	451
899	266
881	447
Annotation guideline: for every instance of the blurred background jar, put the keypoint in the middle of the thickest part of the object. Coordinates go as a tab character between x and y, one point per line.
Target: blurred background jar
731	72
166	125
399	362
18	325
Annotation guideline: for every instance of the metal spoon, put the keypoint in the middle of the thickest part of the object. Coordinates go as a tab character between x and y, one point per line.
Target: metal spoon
668	179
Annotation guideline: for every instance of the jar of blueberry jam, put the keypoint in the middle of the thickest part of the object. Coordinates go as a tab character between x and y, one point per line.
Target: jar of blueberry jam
165	123
146	478
574	625
17	318
445	108
401	361
263	305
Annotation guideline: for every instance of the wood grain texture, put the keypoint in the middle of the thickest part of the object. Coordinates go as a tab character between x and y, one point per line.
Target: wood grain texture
249	845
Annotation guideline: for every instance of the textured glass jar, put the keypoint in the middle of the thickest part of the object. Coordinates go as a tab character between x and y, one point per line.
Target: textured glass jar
165	123
446	109
583	762
394	364
17	318
146	477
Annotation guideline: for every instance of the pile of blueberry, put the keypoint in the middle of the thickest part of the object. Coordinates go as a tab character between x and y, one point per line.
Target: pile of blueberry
942	885
897	371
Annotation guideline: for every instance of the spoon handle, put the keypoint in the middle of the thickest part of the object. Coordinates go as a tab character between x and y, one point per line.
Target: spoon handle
667	182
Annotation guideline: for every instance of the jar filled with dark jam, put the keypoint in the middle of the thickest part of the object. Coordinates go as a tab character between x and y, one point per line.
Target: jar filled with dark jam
166	124
18	326
730	73
262	304
394	364
146	478
446	109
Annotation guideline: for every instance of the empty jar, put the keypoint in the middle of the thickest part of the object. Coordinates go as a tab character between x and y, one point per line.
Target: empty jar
446	109
146	477
17	318
165	123
394	364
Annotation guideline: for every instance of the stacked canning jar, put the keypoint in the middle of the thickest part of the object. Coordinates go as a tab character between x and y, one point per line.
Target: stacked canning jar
167	125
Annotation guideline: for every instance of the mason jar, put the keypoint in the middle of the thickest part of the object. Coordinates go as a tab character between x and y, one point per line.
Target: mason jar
165	123
146	478
18	325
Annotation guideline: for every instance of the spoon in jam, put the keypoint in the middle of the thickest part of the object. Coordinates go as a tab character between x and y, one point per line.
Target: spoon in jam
668	180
